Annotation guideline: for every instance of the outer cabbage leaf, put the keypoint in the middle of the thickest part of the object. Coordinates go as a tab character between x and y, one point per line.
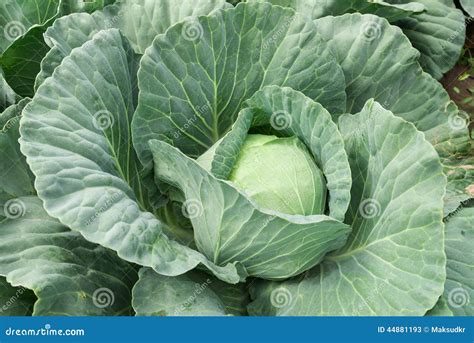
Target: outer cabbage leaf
7	95
438	33
234	297
459	287
29	237
468	6
191	294
230	228
194	79
441	309
142	20
76	137
221	157
15	177
69	275
22	61
157	295
460	184
316	9
138	20
22	46
393	262
379	62
18	16
13	111
76	6
15	301
65	34
436	28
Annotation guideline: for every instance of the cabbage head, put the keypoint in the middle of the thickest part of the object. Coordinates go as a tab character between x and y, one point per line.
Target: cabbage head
258	159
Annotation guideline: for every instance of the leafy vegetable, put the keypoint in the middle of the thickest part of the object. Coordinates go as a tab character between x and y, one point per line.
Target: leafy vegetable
435	28
387	253
296	185
460	184
22	47
207	87
249	238
460	267
177	158
468	6
193	294
18	16
438	33
7	95
406	90
107	179
131	16
69	275
315	9
15	301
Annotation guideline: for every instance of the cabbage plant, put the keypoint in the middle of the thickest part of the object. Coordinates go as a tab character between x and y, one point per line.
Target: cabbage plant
199	158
